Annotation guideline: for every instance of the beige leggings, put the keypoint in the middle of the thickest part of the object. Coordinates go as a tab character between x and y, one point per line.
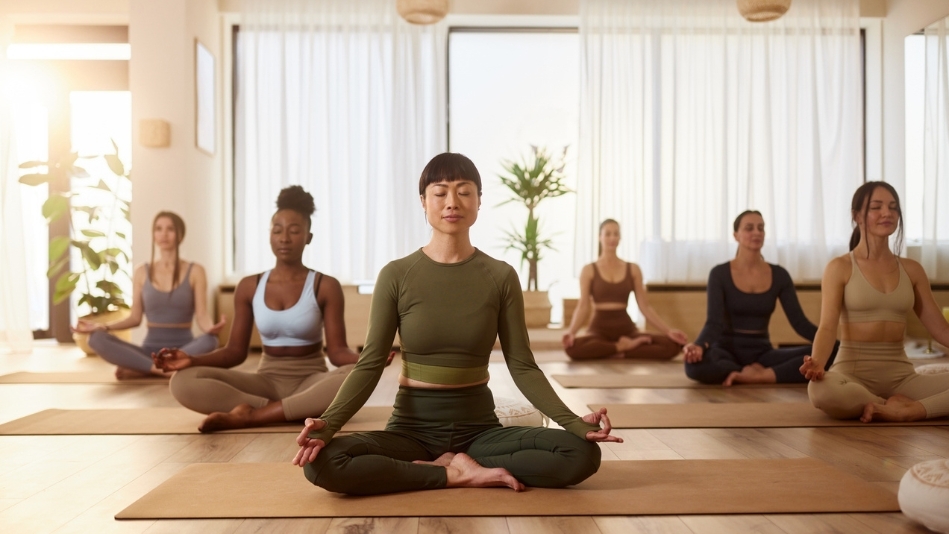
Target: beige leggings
872	372
301	382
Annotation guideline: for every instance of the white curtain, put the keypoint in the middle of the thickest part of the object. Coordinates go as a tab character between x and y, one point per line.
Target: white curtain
348	100
690	115
936	153
15	332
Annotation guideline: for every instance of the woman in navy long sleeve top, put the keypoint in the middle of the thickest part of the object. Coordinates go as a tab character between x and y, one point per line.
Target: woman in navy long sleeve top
734	346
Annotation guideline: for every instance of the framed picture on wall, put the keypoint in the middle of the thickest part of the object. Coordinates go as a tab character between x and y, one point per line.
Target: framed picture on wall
205	121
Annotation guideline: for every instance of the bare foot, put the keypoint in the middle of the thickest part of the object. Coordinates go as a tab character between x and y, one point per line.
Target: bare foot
629	343
239	417
464	472
124	373
443	460
896	408
751	374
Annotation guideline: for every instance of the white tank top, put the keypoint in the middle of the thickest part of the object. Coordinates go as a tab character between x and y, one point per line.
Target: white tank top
296	326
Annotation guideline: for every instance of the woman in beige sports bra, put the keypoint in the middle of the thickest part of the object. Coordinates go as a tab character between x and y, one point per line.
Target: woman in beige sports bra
605	286
869	292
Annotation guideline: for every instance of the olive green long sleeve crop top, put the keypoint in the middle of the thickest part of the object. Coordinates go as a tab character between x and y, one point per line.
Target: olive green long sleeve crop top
448	316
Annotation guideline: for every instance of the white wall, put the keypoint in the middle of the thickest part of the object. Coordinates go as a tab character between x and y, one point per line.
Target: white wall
903	17
179	178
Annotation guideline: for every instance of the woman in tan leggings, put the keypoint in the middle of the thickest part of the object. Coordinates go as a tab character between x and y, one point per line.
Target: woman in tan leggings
292	306
869	292
605	286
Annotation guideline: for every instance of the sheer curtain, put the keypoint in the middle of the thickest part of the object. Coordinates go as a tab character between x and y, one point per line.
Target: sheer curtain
936	152
348	100
15	332
690	115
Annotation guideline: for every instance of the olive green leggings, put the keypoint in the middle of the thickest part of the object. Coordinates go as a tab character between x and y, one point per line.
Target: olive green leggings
427	423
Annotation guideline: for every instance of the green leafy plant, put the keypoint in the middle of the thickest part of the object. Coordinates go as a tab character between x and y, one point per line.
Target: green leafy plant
530	181
99	223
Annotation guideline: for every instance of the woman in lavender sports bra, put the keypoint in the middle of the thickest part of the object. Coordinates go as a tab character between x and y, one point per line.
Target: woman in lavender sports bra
292	306
170	293
867	294
605	286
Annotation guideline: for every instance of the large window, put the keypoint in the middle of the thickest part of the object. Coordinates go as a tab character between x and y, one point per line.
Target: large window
509	90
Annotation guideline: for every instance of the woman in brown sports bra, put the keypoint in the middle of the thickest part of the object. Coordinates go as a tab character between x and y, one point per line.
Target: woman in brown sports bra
869	292
605	286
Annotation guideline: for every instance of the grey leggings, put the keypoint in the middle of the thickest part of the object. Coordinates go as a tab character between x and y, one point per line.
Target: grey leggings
125	354
302	383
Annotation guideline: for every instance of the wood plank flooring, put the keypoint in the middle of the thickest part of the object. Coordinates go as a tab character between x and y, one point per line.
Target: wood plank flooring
77	483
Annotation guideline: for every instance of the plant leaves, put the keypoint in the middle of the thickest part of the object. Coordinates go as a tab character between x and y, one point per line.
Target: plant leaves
57	247
115	164
35	179
65	285
93	233
56	266
103	186
33	164
91	256
55	207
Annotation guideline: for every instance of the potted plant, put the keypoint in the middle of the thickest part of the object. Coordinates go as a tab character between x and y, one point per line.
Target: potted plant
536	177
99	227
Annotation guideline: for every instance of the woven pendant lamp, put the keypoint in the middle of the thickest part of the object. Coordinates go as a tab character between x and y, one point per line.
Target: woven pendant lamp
422	11
763	10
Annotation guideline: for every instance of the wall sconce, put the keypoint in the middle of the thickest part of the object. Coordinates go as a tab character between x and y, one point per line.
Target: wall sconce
154	133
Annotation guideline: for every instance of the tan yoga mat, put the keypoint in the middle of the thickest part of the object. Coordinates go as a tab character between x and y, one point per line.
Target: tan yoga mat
647	487
160	421
671	381
732	415
101	376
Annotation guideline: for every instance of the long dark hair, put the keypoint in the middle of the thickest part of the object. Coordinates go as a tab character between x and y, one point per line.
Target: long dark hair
860	205
179	225
599	246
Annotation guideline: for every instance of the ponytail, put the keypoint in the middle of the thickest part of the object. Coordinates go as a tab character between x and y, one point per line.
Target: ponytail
855	238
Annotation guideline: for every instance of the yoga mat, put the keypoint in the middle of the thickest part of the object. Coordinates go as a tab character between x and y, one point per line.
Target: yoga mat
647	487
160	421
648	381
732	415
103	376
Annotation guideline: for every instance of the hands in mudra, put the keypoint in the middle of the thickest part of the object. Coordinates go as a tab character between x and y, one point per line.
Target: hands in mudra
171	360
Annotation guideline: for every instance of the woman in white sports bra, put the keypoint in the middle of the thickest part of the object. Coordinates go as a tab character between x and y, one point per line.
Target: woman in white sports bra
292	307
869	292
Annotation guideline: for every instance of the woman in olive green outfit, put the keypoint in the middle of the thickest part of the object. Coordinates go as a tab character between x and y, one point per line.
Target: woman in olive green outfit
449	302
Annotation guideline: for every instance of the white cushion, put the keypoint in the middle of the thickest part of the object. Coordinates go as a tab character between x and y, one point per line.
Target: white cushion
518	413
924	494
933	369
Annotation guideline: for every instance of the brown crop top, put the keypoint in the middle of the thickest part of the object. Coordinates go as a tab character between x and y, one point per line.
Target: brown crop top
603	291
863	303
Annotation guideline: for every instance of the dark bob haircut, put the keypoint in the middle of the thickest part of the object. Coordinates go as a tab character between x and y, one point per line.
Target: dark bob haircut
448	167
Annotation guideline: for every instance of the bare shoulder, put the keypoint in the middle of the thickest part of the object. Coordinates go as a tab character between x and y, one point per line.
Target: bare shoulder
587	271
634	268
139	272
914	270
330	284
838	270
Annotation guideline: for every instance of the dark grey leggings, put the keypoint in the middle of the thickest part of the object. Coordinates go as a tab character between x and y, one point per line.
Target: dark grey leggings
131	356
733	353
427	423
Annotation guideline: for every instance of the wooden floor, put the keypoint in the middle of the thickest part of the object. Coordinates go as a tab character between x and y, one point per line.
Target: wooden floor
77	483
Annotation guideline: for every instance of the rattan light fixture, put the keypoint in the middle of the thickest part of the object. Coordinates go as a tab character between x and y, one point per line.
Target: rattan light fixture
422	11
763	10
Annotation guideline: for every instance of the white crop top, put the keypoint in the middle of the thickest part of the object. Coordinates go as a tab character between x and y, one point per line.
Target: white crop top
296	326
